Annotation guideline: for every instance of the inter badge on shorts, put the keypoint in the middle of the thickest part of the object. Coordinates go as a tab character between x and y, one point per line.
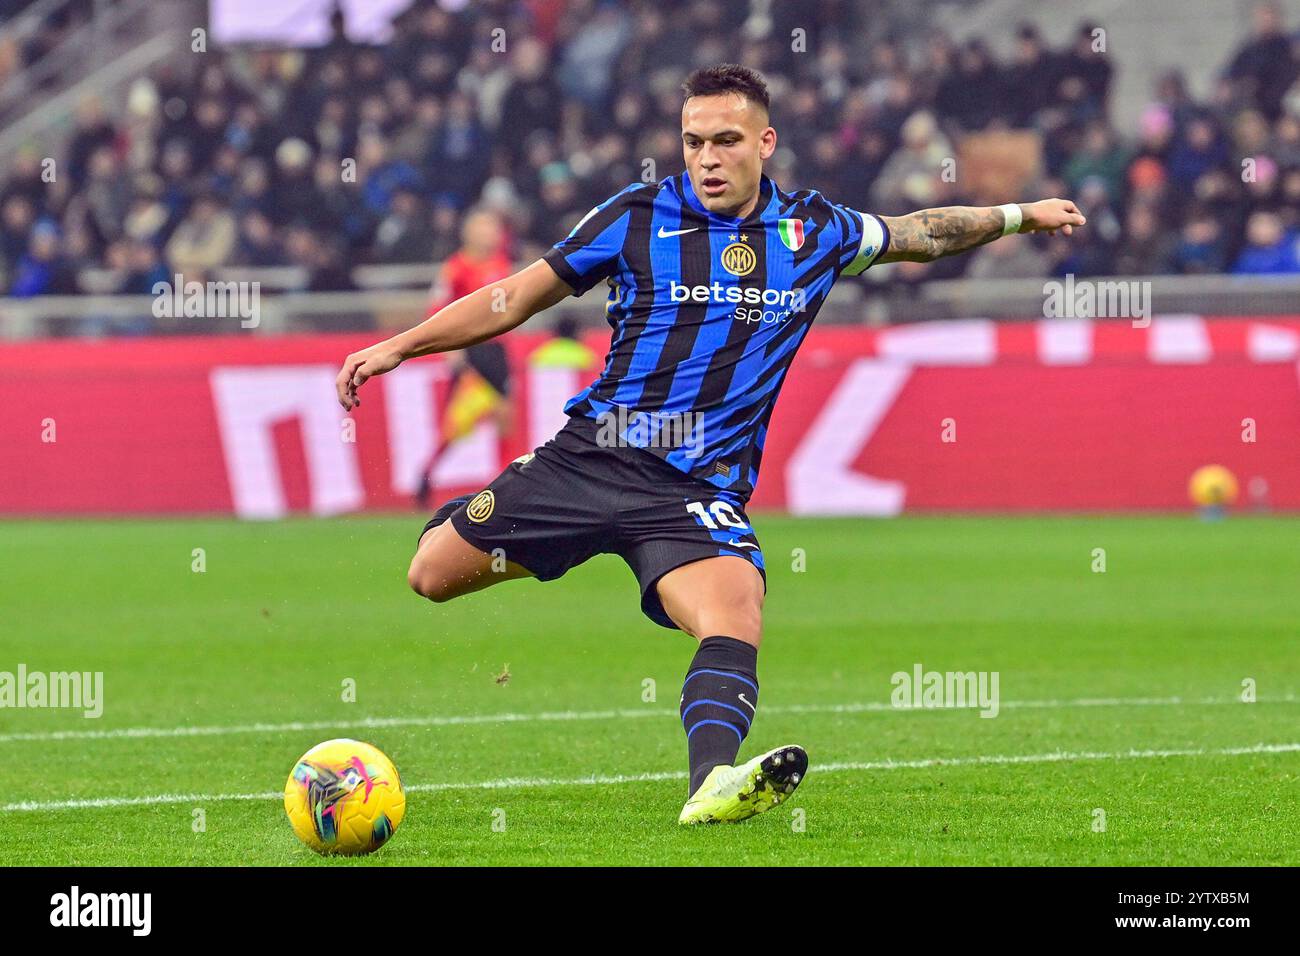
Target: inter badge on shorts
791	231
480	509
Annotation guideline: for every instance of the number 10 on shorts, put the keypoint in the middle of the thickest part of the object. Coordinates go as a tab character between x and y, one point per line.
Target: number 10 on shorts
719	513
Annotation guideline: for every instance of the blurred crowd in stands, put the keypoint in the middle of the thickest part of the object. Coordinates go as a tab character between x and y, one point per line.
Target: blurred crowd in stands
346	154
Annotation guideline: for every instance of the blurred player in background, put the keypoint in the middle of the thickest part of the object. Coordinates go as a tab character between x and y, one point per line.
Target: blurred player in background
480	375
564	350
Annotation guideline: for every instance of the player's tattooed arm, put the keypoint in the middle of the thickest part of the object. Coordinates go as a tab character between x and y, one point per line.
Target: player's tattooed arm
932	233
945	231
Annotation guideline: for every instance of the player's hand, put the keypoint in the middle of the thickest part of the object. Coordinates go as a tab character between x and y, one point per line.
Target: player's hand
1049	215
360	366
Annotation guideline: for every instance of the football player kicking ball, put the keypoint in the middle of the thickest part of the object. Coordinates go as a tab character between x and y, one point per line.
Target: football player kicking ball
715	276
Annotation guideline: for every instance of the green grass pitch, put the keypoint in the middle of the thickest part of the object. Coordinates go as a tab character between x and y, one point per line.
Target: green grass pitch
1120	693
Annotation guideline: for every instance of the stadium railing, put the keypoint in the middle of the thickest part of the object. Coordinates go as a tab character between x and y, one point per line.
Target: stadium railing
387	300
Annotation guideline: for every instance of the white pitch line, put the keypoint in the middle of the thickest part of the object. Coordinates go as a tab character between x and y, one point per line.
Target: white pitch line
516	783
373	723
297	725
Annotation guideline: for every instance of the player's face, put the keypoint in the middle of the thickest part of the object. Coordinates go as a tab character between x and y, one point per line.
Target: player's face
725	139
481	233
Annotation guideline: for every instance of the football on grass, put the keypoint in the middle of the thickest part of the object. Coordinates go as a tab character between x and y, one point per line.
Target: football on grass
344	797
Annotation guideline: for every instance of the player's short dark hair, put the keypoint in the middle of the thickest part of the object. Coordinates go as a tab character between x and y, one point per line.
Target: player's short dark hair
728	78
565	327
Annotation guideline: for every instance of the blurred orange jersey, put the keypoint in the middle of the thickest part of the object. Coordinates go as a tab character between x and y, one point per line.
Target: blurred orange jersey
462	275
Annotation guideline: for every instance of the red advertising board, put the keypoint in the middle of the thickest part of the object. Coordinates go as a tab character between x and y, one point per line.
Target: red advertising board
974	415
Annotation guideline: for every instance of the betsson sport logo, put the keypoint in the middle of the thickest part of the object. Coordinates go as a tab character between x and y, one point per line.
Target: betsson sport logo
740	259
783	302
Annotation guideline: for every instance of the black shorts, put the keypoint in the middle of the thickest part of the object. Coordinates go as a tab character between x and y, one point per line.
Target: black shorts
489	360
573	499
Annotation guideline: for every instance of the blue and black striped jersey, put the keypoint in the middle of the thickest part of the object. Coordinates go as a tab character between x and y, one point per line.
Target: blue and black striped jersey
707	313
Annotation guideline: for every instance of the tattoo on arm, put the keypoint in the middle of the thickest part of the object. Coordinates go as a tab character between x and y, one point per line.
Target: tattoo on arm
932	233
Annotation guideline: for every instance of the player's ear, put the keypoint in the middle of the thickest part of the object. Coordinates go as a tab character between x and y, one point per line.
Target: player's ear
767	143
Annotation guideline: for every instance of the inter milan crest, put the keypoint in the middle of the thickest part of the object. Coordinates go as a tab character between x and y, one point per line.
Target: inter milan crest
791	231
480	509
739	258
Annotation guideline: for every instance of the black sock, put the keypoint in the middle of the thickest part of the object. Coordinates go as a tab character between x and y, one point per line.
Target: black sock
718	702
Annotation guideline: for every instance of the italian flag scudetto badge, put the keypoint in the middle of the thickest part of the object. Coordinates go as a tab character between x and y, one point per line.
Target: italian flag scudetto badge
791	231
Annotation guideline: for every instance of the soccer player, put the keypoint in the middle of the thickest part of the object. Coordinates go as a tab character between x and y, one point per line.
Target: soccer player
714	277
480	376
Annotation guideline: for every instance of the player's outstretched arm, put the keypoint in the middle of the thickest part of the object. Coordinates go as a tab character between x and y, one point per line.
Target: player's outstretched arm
484	314
933	233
